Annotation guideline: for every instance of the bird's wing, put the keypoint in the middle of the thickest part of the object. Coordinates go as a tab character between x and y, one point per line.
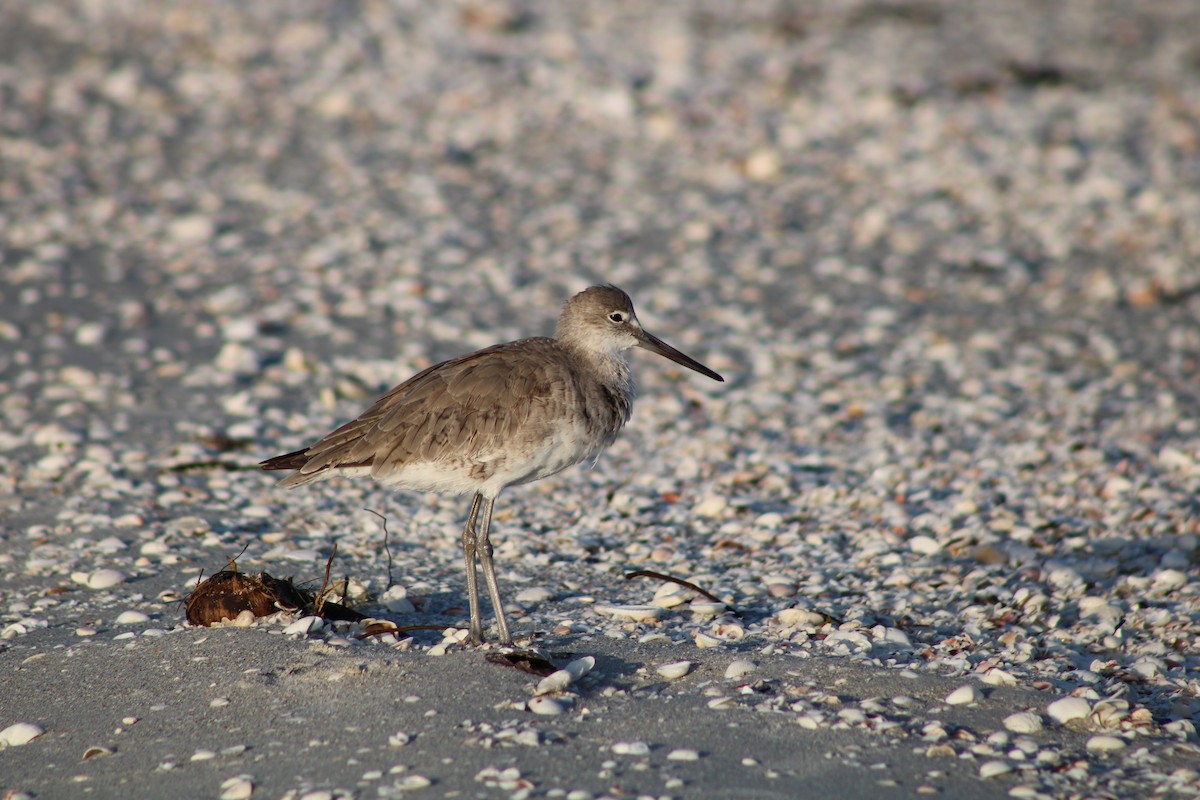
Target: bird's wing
465	408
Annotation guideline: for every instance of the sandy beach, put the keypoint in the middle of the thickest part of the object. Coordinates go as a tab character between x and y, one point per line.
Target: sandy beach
945	504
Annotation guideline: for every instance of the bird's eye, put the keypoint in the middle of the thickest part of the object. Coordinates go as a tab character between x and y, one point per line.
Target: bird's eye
617	316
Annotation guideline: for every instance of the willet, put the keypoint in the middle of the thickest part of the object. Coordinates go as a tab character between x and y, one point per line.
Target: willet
502	416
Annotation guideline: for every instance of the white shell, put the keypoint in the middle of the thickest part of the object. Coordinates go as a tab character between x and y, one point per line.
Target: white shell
706	608
631	749
999	677
534	594
239	787
554	682
547	706
1066	709
990	769
635	613
20	733
1023	722
675	670
801	618
105	579
580	667
964	695
670	595
1105	744
132	618
304	626
683	754
739	668
410	782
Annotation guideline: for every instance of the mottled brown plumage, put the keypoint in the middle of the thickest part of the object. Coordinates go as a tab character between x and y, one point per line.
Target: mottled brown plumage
502	416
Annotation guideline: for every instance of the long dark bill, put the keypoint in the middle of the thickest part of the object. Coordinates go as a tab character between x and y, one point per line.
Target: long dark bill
652	343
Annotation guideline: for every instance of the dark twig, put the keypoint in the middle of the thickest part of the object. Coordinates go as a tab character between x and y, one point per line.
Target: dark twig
320	601
386	548
379	629
647	573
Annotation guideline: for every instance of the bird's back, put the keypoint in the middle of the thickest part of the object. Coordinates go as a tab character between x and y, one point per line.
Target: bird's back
505	415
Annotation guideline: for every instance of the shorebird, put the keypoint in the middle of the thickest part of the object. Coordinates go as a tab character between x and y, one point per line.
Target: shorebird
502	416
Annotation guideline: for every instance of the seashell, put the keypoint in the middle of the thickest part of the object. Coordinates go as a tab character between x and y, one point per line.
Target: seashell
239	787
706	608
20	733
413	782
132	618
580	667
105	579
546	706
1023	722
964	695
802	618
554	682
225	595
1105	744
634	613
670	595
999	677
739	668
534	594
674	671
304	626
1067	709
990	769
631	749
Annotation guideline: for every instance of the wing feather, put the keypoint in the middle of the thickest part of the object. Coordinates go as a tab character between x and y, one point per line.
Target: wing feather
465	409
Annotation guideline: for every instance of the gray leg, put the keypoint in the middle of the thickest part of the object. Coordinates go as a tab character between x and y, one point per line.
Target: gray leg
483	546
468	540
